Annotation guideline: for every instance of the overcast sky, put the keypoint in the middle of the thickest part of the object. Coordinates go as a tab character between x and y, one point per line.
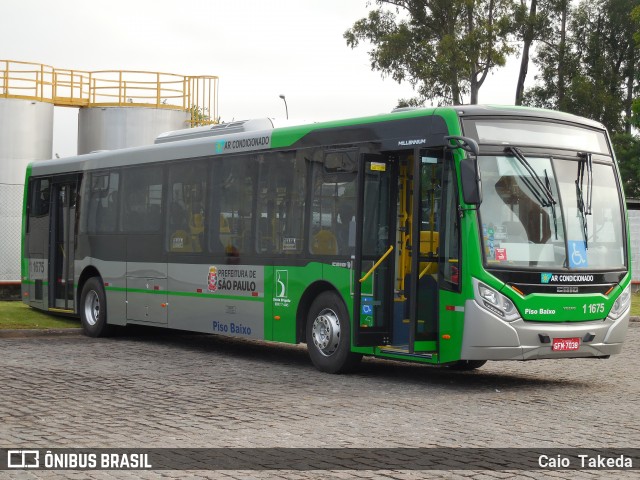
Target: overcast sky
259	49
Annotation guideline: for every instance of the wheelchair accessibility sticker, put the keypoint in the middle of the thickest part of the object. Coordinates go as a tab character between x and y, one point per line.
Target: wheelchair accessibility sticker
367	306
577	254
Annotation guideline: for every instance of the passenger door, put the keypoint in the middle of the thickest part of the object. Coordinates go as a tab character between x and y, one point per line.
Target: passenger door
374	263
62	235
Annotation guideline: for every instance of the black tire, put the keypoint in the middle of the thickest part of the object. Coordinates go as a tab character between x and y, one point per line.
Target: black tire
329	335
93	309
466	365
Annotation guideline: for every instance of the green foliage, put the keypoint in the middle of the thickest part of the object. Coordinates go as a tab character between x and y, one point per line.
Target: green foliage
590	67
635	17
443	48
200	116
627	148
635	304
635	113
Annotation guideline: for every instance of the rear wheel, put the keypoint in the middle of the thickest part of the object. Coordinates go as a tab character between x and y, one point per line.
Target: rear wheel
329	335
93	309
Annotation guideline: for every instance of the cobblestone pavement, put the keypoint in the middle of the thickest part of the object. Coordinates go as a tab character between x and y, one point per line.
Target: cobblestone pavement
154	390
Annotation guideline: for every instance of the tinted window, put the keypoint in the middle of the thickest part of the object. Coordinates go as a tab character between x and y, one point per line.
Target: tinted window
102	205
231	219
186	213
142	209
281	200
40	190
334	204
536	133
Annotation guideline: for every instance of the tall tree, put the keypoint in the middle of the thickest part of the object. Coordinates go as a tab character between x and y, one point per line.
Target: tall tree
528	22
589	64
535	24
554	60
627	148
632	102
443	48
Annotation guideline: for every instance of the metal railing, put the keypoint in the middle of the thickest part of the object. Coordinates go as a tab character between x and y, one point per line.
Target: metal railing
197	95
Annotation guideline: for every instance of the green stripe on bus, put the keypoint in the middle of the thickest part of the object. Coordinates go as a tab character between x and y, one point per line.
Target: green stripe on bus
183	294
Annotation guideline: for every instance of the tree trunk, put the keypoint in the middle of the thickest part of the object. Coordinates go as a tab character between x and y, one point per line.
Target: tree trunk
631	76
474	91
524	62
561	57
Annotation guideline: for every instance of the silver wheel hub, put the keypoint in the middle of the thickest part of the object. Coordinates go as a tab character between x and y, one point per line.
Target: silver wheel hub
326	332
92	308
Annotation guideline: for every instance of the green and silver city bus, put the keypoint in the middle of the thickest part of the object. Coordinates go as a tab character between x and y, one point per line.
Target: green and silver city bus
448	236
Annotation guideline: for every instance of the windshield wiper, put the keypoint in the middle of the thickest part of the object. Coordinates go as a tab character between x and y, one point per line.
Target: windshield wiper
547	184
541	191
585	164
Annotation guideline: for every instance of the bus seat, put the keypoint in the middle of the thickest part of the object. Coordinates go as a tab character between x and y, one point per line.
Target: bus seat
224	224
429	242
197	223
324	243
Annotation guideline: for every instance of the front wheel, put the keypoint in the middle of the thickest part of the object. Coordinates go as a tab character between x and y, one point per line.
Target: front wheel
93	309
329	335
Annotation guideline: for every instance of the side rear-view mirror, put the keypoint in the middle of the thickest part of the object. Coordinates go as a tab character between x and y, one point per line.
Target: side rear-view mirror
469	171
470	179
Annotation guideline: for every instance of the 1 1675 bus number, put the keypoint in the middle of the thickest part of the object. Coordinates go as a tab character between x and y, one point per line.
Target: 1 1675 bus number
593	308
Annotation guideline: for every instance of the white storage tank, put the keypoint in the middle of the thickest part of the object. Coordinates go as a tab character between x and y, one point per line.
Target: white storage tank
26	134
110	128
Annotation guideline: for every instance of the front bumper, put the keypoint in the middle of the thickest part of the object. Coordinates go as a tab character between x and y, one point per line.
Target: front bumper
488	337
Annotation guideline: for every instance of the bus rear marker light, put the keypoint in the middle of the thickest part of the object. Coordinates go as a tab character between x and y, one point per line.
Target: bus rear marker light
446	337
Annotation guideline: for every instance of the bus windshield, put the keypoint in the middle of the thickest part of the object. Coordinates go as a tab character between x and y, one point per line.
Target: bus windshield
539	214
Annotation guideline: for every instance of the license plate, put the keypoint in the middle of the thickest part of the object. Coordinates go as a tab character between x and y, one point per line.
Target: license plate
565	344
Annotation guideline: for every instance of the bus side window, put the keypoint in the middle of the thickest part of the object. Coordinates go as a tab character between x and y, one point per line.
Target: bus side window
186	212
102	210
231	214
281	193
38	204
142	199
334	204
40	197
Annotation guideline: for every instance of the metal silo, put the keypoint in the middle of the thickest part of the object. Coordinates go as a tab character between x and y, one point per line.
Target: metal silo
129	108
117	109
109	128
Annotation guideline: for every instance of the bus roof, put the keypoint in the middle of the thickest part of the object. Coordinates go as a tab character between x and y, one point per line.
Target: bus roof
179	145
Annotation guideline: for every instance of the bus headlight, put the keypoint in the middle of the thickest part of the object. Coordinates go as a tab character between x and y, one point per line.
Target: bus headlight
495	302
621	304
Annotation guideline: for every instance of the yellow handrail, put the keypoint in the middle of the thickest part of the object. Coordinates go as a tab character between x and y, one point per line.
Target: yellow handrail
197	95
377	264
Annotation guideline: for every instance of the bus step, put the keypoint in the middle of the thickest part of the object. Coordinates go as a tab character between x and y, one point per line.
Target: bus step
403	350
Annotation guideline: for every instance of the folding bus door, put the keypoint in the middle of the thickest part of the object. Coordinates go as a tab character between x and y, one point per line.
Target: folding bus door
374	265
62	244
